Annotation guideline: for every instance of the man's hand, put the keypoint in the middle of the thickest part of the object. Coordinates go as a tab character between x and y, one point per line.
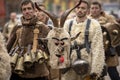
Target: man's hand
93	76
42	26
40	23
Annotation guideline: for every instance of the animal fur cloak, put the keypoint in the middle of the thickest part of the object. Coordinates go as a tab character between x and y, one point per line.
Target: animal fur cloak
5	68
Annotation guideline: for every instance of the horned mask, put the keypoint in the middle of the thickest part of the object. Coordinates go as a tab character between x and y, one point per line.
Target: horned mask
59	40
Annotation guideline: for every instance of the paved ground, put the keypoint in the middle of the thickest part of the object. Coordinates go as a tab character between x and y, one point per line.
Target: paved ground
107	77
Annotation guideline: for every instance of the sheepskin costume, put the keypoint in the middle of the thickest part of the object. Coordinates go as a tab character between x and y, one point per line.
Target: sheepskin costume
25	35
96	57
5	68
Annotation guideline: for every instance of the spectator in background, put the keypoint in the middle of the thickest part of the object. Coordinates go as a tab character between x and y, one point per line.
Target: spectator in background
9	25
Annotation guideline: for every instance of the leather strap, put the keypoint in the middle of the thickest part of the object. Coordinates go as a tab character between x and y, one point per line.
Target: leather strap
18	35
70	26
87	44
35	41
78	51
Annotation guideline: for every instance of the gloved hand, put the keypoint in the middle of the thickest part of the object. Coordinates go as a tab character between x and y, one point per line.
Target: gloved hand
93	76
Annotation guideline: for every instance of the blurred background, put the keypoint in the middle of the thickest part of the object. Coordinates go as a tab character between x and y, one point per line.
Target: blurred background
56	6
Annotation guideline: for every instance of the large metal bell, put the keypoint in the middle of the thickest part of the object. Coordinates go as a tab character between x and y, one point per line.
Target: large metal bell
28	60
19	69
81	67
14	60
40	57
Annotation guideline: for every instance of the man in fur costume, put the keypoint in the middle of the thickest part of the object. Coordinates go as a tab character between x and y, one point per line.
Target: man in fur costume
5	68
27	57
95	56
103	18
97	13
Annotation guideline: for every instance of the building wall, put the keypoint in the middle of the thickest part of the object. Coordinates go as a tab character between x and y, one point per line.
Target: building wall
2	13
65	4
55	6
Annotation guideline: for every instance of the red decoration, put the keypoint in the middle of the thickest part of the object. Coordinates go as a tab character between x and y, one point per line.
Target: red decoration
61	59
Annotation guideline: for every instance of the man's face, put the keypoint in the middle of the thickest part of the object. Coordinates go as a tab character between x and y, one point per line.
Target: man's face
95	10
41	15
13	16
82	10
28	11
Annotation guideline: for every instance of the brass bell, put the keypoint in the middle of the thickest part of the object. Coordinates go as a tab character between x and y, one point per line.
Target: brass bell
14	59
28	60
28	57
33	56
45	56
40	56
19	69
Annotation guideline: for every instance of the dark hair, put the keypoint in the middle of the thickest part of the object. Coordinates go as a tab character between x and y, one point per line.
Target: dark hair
25	2
96	3
84	1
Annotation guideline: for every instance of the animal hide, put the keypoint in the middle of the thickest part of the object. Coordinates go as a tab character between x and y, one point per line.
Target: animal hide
114	32
53	49
5	68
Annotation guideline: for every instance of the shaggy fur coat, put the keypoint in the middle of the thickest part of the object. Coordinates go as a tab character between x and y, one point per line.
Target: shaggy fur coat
5	68
96	57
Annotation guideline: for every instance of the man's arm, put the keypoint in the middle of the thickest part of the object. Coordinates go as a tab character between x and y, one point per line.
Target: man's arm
97	49
12	38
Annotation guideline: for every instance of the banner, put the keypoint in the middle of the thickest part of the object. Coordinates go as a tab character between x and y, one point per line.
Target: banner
2	9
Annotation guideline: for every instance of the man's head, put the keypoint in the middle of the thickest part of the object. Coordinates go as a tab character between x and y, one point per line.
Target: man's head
42	6
95	9
83	9
27	8
40	14
13	16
